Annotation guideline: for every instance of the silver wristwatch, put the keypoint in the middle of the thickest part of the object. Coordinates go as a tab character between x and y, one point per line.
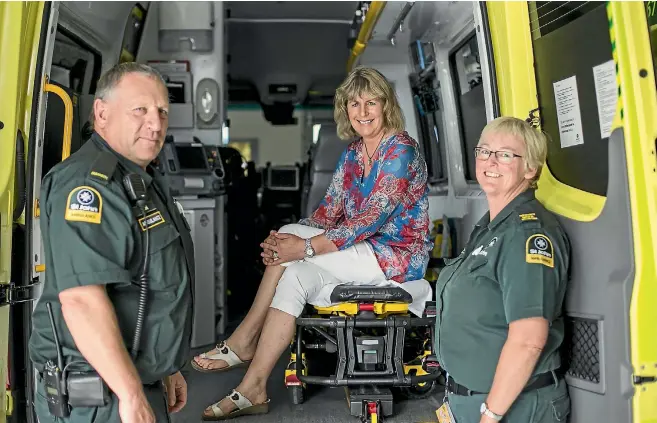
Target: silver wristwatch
309	251
486	412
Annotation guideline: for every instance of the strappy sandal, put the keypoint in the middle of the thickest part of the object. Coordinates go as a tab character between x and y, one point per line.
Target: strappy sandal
244	408
225	353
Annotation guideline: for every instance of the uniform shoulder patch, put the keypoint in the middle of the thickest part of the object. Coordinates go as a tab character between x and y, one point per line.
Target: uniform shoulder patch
539	250
84	204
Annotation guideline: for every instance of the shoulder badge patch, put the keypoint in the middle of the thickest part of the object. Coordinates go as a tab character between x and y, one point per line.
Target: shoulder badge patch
539	250
84	204
528	216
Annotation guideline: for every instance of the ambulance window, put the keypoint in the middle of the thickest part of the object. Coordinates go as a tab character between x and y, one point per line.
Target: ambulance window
75	64
651	15
426	98
470	103
576	83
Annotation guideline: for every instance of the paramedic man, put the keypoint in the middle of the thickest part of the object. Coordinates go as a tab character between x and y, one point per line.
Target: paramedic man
93	260
500	325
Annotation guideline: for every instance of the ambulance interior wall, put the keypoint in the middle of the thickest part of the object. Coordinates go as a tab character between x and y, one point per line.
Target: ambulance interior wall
457	199
202	65
100	24
280	145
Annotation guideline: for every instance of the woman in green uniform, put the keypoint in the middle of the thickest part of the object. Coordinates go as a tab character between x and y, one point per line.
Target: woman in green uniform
500	321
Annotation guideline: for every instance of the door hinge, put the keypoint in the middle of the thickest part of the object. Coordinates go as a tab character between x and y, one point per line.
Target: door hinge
13	294
640	380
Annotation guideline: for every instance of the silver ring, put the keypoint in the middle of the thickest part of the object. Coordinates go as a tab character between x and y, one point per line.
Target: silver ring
275	255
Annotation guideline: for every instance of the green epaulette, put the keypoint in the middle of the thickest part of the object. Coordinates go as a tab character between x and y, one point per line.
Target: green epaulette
104	167
528	216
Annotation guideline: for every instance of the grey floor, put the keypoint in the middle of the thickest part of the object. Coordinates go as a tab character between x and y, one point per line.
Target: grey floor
326	405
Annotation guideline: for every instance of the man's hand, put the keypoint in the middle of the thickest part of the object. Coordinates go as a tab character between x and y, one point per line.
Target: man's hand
176	388
136	409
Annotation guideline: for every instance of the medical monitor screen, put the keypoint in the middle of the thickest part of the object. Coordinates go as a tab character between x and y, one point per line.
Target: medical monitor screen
283	178
191	157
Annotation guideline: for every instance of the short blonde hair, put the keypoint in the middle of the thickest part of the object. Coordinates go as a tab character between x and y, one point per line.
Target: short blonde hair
370	82
535	141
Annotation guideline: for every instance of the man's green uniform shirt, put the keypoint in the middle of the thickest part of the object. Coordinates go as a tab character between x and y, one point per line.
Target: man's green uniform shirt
92	235
512	268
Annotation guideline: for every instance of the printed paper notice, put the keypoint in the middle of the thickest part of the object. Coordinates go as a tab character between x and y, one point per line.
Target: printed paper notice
604	76
568	113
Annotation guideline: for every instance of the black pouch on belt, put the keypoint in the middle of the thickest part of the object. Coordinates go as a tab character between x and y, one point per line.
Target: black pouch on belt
86	389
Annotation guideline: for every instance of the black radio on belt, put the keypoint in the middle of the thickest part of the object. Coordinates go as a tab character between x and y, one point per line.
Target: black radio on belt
74	389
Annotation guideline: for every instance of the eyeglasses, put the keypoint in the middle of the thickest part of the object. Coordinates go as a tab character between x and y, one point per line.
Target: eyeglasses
505	157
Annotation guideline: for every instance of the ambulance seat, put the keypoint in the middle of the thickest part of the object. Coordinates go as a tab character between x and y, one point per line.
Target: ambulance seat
325	158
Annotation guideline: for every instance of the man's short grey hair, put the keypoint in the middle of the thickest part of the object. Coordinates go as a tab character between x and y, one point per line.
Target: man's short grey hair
111	78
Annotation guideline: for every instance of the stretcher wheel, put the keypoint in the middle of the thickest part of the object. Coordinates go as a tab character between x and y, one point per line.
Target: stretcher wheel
296	394
419	392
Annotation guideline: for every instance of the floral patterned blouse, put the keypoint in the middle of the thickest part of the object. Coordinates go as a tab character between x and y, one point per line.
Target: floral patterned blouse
387	208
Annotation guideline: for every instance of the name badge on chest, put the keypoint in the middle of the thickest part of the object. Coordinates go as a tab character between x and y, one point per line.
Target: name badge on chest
152	219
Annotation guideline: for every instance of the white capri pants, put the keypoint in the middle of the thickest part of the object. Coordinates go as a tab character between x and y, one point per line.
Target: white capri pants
312	280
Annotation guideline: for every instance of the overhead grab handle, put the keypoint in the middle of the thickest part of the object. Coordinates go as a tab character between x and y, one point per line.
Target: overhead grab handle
371	18
68	117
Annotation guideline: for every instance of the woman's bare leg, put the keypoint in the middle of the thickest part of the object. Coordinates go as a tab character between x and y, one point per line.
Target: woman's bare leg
276	337
300	282
245	338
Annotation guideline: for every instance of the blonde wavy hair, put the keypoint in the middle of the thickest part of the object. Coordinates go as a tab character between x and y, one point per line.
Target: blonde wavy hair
536	143
368	82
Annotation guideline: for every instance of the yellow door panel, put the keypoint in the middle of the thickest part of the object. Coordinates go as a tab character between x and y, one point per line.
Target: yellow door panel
628	27
19	36
514	59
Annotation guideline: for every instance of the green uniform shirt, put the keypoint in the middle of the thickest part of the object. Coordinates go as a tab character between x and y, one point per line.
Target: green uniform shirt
512	268
92	235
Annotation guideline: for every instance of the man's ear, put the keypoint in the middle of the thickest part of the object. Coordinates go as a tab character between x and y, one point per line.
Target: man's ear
100	113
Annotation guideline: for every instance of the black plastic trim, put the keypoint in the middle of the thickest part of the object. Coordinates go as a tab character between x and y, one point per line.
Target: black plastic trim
98	57
495	95
20	175
457	103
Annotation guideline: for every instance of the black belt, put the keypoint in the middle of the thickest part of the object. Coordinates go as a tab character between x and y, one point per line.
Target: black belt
543	380
157	384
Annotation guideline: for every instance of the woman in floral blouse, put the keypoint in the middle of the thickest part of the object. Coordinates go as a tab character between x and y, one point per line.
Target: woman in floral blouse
372	228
